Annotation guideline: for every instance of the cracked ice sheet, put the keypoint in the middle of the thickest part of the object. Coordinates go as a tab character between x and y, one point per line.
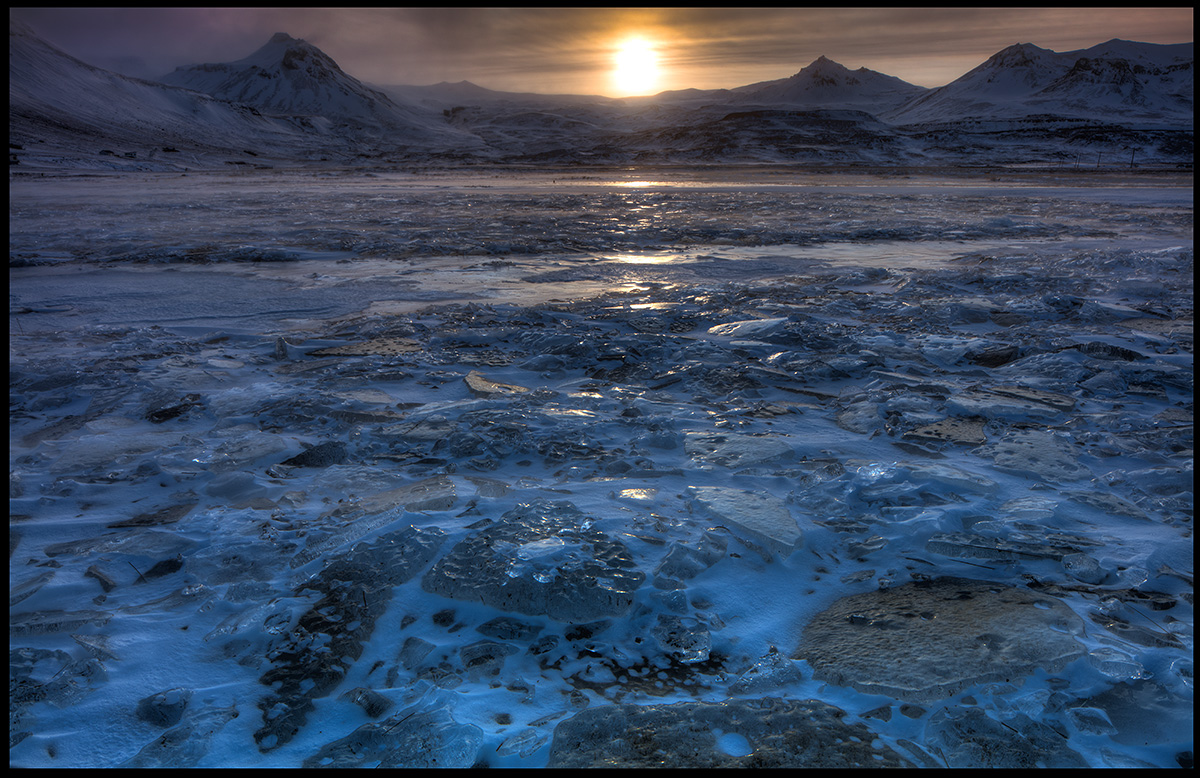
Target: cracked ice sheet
867	507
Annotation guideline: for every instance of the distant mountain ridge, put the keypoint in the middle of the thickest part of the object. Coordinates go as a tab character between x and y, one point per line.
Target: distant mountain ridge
1115	78
292	102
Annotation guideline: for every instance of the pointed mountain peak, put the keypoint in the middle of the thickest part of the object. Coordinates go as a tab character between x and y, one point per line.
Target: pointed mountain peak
283	37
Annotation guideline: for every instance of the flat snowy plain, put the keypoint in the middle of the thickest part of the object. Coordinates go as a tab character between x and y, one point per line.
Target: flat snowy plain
650	429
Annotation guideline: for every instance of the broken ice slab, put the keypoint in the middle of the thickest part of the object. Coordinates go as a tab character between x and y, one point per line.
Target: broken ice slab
1053	399
768	674
926	640
481	386
185	744
735	450
965	545
541	558
1041	454
753	328
993	405
405	739
26	589
42	622
970	738
760	515
377	511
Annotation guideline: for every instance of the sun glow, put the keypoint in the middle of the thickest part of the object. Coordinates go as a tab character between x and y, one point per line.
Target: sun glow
636	68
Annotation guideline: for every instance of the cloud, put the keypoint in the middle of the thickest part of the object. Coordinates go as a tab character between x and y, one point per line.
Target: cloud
569	49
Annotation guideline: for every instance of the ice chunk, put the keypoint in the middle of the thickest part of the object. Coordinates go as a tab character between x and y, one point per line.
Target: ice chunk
768	674
969	738
753	328
687	639
524	743
990	405
329	637
1084	568
165	708
1042	454
926	640
760	515
735	733
540	559
412	740
684	561
372	702
1091	721
734	450
485	659
185	744
41	622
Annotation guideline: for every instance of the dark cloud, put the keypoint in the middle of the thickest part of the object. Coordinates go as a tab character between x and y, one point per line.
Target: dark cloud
569	49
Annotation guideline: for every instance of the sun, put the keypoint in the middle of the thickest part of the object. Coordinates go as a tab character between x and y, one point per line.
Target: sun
636	67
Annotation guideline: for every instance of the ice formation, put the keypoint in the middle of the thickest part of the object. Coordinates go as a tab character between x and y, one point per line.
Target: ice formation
744	467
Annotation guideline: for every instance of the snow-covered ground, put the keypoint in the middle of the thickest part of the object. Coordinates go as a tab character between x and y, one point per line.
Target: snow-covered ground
600	467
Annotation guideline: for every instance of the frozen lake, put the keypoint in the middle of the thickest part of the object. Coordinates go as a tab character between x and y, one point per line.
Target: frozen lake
454	469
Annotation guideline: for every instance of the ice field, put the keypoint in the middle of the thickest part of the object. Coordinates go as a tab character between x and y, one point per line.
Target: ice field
709	467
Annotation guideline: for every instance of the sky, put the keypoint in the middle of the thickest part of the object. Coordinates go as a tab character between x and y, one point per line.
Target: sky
607	51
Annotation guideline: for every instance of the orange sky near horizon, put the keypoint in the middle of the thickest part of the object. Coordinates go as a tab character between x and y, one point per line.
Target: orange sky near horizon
575	50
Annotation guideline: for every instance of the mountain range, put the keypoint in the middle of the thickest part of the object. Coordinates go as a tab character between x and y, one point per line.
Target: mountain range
290	103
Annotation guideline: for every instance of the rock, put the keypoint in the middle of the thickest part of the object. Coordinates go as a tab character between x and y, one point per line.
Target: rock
483	387
376	347
321	455
737	733
967	432
733	450
761	516
506	628
926	640
484	660
169	515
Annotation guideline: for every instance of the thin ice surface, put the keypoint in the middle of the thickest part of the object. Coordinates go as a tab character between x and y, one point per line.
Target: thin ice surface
955	379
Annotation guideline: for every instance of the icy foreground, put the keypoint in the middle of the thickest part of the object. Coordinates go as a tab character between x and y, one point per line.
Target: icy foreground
551	470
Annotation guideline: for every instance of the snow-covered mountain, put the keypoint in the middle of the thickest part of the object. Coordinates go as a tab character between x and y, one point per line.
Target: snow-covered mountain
71	109
827	84
289	77
1116	79
291	101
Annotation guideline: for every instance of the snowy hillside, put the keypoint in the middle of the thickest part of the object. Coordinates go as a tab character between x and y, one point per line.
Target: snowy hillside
71	109
292	78
1117	79
826	84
